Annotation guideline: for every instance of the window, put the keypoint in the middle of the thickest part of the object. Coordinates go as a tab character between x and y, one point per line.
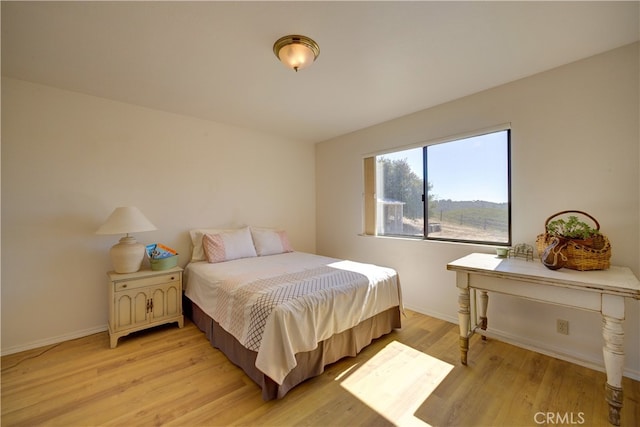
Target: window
461	186
400	186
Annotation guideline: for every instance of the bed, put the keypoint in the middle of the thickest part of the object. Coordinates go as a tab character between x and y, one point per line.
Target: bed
283	315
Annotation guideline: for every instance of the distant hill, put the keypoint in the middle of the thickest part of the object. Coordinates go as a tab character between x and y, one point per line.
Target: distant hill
448	205
475	213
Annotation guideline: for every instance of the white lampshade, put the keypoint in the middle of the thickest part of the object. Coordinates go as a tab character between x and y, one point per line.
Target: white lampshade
126	220
127	255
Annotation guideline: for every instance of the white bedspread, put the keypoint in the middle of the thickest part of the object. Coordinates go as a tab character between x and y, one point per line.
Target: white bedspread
280	305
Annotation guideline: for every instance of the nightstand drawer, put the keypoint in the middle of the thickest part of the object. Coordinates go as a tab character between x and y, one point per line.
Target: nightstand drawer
147	281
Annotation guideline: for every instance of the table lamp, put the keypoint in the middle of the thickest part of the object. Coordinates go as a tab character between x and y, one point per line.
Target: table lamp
127	255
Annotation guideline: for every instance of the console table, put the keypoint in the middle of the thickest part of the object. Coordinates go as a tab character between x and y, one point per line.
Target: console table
601	291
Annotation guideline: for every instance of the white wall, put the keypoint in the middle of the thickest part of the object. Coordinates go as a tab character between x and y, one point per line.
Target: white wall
69	159
575	145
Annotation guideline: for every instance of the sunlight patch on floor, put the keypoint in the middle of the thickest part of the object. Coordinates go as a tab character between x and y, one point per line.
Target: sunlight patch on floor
396	381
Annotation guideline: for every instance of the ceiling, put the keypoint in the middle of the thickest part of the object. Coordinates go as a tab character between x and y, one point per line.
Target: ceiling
378	60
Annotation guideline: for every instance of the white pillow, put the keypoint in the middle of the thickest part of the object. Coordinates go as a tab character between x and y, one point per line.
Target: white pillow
228	246
197	253
270	242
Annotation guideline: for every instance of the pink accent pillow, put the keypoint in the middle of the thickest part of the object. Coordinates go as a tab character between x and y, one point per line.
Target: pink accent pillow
270	242
197	253
228	246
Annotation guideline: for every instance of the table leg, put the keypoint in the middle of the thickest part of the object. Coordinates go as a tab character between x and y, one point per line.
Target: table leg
464	319
484	302
613	351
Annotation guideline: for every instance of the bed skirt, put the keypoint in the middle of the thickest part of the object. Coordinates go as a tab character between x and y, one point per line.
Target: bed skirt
310	364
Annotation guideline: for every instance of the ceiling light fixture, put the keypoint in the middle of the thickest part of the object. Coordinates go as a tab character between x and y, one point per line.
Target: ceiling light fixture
296	52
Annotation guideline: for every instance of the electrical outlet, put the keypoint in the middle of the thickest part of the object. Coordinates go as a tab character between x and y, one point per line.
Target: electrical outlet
562	326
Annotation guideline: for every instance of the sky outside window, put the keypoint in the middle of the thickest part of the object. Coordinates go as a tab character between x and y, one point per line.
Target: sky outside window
453	166
470	169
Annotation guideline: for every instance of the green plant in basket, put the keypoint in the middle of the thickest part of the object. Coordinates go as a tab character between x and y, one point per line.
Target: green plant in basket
568	241
571	228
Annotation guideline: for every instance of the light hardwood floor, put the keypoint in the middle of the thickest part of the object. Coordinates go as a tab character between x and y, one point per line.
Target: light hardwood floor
171	376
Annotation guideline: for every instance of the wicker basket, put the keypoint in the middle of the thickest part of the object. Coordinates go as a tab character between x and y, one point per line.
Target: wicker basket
580	256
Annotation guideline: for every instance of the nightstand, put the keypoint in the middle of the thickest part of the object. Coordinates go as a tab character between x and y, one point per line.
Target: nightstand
143	299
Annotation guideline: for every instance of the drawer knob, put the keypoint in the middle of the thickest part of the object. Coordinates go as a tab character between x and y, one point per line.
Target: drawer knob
124	286
172	278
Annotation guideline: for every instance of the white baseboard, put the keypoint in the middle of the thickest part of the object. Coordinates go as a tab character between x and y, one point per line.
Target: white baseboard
538	346
52	340
437	315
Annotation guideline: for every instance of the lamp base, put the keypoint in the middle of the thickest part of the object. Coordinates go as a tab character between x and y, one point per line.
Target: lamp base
127	255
